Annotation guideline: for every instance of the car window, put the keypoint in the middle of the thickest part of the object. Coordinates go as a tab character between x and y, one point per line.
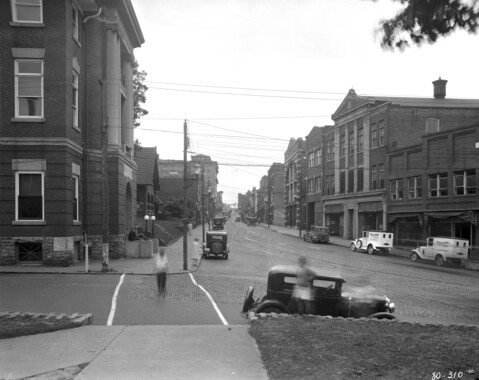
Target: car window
290	280
324	284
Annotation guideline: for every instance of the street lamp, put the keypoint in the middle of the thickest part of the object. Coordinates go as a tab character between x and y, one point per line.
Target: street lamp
147	218
209	207
151	217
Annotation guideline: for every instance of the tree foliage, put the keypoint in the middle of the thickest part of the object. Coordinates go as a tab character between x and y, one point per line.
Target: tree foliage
139	93
426	20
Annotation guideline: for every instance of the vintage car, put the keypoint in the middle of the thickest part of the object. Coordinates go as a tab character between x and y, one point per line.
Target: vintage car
328	297
218	223
373	241
238	219
317	234
216	244
442	249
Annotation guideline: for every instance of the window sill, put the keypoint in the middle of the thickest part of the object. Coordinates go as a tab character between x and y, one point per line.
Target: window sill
28	120
76	223
27	24
29	223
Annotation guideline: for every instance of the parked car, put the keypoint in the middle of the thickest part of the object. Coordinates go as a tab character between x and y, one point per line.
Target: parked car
317	234
238	219
216	244
328	297
373	241
442	249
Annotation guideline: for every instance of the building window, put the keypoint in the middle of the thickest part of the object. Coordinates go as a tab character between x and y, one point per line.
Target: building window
330	150
342	182
465	182
432	125
317	157
27	11
351	181
75	99
29	195
374	135
360	179
360	140
311	159
342	145
75	198
381	132
414	187
438	185
381	176
374	177
396	188
351	142
28	88
318	184
75	23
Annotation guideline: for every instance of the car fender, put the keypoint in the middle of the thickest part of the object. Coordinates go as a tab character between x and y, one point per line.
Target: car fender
272	303
419	252
383	315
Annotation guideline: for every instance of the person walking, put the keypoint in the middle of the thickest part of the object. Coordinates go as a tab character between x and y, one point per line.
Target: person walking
197	252
302	293
161	267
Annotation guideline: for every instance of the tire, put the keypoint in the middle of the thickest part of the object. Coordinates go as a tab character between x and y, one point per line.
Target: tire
359	244
439	260
386	252
216	247
271	309
370	249
414	257
322	239
353	247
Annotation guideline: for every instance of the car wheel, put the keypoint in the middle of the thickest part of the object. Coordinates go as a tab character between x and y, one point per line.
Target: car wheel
370	249
216	247
322	239
226	257
386	252
271	309
439	261
414	257
353	247
359	244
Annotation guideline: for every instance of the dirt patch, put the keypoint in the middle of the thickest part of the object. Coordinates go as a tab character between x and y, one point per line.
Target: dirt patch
321	348
21	325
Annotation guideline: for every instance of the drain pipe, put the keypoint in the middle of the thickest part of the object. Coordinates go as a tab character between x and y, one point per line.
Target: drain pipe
100	9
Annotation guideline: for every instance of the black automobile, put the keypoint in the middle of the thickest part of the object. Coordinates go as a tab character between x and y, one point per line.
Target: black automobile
218	223
317	234
328	297
216	244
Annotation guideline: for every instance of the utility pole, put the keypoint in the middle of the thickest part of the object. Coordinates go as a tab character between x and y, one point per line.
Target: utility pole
185	206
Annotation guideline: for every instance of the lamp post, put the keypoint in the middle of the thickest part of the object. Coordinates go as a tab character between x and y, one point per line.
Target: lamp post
209	207
147	217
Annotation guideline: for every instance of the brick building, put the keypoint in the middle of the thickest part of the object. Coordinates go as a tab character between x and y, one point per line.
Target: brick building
276	194
66	128
366	130
432	187
294	182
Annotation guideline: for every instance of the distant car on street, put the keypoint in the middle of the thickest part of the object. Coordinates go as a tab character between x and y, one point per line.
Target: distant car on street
238	219
373	241
442	249
317	234
328	296
216	244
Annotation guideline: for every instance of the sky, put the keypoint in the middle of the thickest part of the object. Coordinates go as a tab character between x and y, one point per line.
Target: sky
249	75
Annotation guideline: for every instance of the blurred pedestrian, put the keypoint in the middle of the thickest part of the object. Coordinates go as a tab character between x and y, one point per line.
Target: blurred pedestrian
161	268
302	293
197	252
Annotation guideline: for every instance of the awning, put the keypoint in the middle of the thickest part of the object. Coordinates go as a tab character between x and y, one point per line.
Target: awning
395	217
467	216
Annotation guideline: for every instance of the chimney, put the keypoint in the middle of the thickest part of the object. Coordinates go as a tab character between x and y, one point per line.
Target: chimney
439	88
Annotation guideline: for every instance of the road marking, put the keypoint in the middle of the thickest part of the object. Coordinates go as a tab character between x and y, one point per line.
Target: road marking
225	322
113	301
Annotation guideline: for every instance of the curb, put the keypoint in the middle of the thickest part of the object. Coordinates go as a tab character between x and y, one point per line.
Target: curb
77	318
252	316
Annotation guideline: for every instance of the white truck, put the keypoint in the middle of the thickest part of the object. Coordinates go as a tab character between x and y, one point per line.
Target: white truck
442	249
373	241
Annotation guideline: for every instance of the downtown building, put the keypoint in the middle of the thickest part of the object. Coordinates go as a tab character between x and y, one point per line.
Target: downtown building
406	165
68	172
